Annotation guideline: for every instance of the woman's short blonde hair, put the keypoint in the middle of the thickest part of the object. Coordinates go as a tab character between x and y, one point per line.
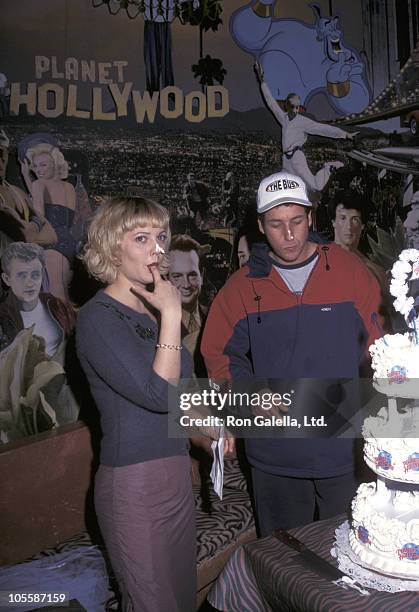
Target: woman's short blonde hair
113	219
60	165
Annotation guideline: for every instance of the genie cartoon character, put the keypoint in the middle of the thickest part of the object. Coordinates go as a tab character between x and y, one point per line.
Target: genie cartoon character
302	58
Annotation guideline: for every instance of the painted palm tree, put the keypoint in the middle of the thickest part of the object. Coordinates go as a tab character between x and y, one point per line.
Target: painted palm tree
208	70
388	246
207	16
158	16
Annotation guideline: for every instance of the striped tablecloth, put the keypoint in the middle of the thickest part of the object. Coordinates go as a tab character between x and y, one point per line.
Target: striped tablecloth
267	576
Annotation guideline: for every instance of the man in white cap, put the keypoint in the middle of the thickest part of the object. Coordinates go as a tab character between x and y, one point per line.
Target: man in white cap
295	130
297	310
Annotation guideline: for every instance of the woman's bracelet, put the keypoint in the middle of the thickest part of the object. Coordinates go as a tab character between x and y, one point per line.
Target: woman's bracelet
175	347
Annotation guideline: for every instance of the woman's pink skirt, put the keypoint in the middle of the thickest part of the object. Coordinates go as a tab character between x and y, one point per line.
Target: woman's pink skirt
146	513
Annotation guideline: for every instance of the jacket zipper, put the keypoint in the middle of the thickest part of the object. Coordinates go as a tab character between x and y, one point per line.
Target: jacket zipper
300	297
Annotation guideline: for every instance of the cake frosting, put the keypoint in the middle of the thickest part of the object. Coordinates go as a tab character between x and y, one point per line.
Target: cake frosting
396	458
395	362
385	529
405	270
395	358
393	458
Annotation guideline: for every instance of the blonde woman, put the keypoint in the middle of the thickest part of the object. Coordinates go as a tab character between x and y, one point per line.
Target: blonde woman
55	199
128	342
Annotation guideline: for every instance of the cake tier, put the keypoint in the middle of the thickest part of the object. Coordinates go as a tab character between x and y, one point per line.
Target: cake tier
396	458
385	529
393	458
408	388
395	361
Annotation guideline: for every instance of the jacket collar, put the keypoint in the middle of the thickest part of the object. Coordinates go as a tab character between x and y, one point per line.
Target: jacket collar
260	263
10	304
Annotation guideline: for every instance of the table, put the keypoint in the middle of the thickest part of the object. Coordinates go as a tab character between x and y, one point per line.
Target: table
267	576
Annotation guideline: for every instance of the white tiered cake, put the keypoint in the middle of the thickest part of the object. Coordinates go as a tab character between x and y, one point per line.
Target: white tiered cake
384	532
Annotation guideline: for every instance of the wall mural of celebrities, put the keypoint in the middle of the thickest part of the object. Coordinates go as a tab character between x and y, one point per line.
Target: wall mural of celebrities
191	103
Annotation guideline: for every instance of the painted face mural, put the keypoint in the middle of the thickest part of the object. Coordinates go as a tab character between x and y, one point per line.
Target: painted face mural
186	276
348	227
303	58
25	279
329	32
43	166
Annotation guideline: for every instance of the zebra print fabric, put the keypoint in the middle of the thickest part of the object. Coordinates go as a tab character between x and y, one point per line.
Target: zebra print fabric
268	576
221	522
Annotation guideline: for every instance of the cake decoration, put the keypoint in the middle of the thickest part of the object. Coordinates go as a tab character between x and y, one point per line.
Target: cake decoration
404	270
384	532
383	460
412	463
409	551
363	535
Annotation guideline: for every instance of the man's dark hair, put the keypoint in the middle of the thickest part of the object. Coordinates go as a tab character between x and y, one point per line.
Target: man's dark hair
306	210
349	199
185	243
23	251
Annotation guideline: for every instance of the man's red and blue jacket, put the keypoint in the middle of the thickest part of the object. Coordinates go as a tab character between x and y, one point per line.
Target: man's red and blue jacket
258	328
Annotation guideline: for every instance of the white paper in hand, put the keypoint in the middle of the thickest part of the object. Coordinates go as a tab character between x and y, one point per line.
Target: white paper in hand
217	470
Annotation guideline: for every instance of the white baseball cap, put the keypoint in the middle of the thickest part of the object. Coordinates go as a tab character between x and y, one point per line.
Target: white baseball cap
281	188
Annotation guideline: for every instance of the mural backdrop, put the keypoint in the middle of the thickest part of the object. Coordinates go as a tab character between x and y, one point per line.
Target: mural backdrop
192	102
